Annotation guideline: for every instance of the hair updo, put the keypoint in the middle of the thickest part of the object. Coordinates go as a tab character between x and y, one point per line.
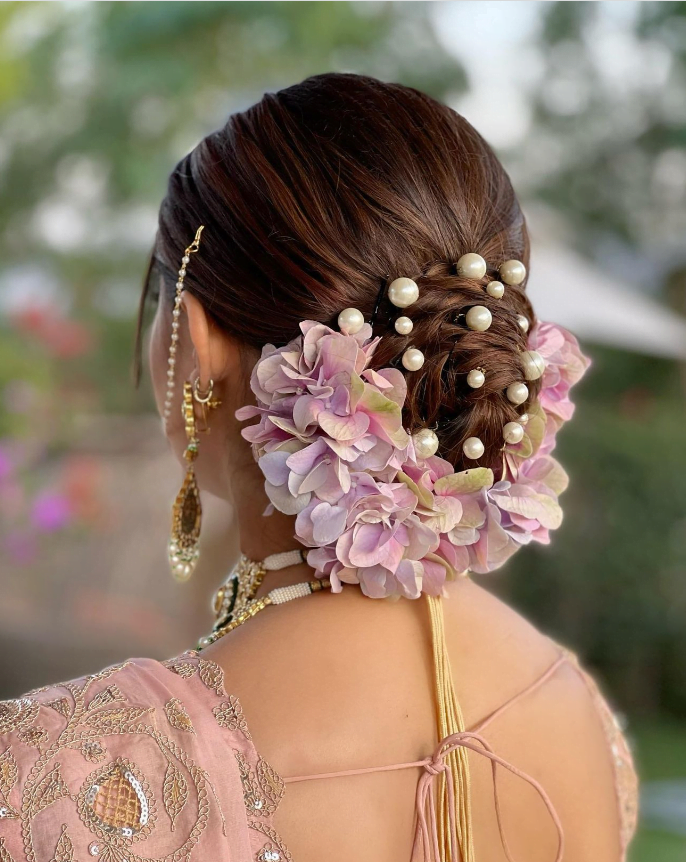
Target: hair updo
317	197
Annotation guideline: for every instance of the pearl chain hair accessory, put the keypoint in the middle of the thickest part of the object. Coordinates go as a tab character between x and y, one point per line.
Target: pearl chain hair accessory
176	314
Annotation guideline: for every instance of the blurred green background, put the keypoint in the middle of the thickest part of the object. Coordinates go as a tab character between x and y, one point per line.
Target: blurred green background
585	103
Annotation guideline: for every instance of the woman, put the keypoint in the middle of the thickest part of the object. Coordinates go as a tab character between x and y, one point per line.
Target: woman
351	266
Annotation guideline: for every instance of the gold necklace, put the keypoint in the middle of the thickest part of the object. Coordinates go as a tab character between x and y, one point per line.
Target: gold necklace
234	602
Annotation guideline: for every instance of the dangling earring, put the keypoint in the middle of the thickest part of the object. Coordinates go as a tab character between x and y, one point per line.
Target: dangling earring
187	509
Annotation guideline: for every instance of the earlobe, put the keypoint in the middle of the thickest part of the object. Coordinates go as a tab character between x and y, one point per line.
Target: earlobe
214	350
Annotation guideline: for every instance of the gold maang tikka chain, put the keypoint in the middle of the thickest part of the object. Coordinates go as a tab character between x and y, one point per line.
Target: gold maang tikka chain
183	546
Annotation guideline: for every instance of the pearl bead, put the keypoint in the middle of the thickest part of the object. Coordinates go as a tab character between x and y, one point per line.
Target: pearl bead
524	418
517	393
185	260
404	326
179	285
425	443
473	448
513	432
496	289
350	321
478	318
413	359
403	292
476	378
523	322
471	265
534	364
512	271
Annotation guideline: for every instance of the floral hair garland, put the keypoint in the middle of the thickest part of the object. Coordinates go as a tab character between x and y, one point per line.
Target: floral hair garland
332	447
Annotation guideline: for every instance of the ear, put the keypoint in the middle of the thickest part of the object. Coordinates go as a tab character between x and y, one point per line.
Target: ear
216	353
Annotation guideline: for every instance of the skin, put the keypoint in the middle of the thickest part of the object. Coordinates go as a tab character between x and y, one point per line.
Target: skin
338	682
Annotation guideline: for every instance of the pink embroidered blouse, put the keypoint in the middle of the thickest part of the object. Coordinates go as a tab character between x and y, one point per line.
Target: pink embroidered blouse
154	761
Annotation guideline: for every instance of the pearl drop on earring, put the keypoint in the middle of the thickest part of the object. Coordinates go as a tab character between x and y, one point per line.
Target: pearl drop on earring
523	322
425	443
350	321
403	292
404	326
496	289
473	448
534	364
471	265
478	318
512	271
517	393
413	359
476	378
513	432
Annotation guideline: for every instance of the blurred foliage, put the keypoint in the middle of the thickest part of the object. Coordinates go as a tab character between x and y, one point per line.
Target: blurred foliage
99	100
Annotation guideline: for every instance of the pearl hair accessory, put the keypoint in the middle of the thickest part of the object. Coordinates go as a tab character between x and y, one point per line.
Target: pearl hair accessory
478	318
413	359
512	272
473	448
471	265
523	322
403	292
496	289
403	326
476	378
350	321
425	442
176	314
524	418
517	393
513	432
534	364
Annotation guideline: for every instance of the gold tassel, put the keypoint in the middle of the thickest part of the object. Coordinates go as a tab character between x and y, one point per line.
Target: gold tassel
449	721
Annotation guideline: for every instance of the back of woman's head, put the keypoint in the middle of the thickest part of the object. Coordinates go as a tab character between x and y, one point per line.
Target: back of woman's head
317	197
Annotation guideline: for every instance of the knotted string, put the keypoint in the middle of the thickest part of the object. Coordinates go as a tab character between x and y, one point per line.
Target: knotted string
427	820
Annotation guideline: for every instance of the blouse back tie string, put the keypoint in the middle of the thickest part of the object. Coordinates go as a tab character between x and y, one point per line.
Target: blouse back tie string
427	814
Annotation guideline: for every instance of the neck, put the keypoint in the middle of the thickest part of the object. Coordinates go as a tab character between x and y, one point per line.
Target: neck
261	535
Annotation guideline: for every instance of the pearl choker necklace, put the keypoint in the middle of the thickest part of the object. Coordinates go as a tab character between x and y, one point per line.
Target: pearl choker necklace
235	603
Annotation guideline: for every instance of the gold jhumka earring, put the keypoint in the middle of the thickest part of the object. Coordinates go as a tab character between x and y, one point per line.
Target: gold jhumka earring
183	546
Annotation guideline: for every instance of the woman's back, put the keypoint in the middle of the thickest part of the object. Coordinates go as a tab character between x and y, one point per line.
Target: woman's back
339	683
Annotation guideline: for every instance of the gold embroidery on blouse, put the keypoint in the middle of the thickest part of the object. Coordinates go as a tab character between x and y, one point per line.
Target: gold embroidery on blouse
8	779
61	705
64	852
4	852
49	790
17	714
178	716
93	750
35	736
184	669
274	850
107	696
174	792
263	791
115	718
212	675
229	714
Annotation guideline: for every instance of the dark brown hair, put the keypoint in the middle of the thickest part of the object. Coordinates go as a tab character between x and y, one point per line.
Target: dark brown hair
318	196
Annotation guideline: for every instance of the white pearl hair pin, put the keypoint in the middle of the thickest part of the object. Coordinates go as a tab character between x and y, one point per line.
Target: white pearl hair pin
513	432
523	322
425	442
496	289
350	321
476	378
403	326
512	272
403	292
478	318
473	448
534	364
517	393
413	359
471	265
